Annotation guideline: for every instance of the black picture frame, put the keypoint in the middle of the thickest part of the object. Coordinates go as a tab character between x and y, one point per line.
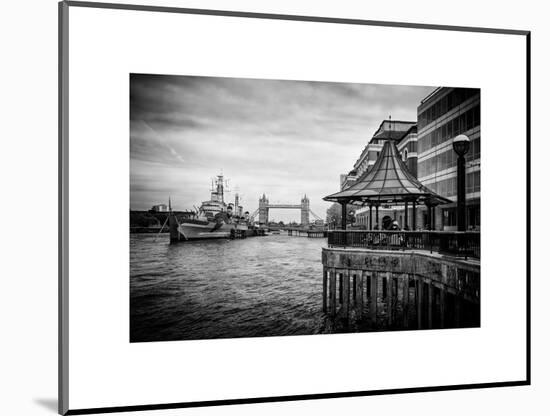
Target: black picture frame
63	204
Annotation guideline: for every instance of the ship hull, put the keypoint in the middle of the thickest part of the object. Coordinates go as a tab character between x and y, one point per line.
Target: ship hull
205	230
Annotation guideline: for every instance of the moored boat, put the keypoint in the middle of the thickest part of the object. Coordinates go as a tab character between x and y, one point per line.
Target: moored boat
214	219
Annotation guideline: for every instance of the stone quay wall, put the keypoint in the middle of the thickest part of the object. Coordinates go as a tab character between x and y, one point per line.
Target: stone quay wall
400	289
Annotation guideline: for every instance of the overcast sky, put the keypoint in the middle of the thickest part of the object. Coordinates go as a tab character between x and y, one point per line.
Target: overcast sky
284	138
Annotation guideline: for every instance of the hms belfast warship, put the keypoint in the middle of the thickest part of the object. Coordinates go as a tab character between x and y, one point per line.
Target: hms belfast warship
214	219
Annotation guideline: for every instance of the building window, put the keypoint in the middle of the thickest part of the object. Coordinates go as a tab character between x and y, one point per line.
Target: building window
474	216
445	104
449	217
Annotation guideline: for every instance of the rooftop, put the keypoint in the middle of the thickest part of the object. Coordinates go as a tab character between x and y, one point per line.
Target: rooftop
393	129
389	181
401	129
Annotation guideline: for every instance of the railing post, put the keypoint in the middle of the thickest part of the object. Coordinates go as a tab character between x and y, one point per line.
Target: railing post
442	299
359	301
332	291
325	289
340	287
419	287
373	297
430	305
389	299
405	279
345	299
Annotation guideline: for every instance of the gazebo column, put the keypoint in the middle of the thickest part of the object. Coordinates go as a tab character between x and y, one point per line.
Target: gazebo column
431	213
414	215
370	216
344	214
406	215
434	222
377	219
429	217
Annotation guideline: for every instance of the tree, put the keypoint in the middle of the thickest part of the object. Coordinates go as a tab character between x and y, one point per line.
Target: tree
334	216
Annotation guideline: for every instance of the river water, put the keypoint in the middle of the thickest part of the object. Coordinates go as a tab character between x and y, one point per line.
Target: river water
261	286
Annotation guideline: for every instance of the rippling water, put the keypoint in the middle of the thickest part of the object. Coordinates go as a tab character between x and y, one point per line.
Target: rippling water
262	286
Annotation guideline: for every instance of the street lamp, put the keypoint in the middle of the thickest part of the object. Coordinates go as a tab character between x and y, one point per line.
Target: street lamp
461	145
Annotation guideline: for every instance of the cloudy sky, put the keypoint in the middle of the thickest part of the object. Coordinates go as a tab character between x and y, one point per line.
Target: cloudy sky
284	138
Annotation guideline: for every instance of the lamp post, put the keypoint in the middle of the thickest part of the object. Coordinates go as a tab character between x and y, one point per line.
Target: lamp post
461	145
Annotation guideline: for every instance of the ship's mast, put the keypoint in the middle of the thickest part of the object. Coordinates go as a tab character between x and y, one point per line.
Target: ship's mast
219	184
217	190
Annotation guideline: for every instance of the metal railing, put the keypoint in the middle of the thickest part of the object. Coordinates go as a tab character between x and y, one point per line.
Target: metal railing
457	243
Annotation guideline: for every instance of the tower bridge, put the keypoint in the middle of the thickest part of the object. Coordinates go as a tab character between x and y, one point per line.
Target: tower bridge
264	206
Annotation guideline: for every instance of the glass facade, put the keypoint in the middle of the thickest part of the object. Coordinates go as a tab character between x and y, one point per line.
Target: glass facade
452	128
447	159
444	115
473	214
447	187
448	102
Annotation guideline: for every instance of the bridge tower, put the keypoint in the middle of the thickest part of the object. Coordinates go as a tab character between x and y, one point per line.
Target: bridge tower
304	208
263	210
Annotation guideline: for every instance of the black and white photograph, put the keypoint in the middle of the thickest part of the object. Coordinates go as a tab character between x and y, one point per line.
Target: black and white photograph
246	208
264	207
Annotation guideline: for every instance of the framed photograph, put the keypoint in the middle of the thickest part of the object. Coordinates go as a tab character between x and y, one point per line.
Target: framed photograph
259	208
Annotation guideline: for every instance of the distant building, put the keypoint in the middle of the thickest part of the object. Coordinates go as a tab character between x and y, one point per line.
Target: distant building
388	130
404	133
443	115
263	210
333	213
160	208
407	146
346	180
304	211
343	178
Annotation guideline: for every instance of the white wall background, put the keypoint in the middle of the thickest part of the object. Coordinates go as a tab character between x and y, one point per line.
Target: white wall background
28	152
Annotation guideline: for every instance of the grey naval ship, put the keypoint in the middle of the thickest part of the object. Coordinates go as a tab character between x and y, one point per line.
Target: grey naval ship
214	219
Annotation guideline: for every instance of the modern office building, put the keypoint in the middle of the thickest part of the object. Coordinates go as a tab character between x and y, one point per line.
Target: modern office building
443	115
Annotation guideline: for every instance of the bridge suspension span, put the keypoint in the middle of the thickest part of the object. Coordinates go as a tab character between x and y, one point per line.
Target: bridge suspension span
264	206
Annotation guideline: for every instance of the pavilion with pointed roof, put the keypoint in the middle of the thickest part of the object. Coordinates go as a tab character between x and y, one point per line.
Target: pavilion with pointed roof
388	182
